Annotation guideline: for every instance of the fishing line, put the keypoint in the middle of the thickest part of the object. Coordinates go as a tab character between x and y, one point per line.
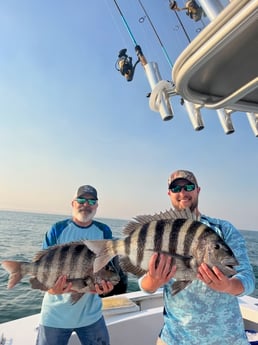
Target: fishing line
117	26
125	23
155	31
182	26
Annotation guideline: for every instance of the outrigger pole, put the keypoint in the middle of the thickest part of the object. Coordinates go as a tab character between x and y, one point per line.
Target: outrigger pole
161	90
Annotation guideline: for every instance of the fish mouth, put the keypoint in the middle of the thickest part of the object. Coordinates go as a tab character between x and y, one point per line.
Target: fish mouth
230	270
228	266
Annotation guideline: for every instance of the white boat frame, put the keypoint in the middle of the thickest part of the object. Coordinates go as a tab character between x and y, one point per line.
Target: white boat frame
131	318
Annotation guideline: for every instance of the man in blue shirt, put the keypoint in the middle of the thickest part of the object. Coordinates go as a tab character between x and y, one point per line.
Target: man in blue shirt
206	311
59	317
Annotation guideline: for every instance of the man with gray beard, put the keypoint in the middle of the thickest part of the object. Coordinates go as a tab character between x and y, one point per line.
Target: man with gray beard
207	310
59	317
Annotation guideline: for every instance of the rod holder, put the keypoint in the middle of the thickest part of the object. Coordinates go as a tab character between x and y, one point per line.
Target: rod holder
161	91
225	120
253	121
194	114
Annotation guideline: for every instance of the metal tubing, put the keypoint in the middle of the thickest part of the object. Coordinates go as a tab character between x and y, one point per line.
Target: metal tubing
160	102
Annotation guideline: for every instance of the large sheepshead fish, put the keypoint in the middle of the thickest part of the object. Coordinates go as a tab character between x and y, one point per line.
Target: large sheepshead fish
175	233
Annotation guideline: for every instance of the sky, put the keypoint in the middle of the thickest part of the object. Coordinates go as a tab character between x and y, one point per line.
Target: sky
69	118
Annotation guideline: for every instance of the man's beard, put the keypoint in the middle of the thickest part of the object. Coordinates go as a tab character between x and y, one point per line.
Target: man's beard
84	217
194	205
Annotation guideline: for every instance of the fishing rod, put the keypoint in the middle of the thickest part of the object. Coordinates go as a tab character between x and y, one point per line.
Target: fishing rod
124	62
155	31
125	23
161	89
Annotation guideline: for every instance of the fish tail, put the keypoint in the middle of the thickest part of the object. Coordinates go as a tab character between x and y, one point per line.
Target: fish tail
16	271
104	250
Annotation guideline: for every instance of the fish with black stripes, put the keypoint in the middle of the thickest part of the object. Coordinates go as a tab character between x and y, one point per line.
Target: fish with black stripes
175	233
73	259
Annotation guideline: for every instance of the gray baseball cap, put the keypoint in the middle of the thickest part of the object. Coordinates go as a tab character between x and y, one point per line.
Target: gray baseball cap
87	189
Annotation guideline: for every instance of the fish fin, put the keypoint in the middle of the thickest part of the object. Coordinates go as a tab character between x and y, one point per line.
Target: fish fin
186	259
103	250
16	271
101	261
75	297
36	284
127	266
52	248
96	246
166	215
180	285
39	255
174	255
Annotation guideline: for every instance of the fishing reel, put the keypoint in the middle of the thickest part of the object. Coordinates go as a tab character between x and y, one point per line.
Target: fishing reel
193	10
125	65
173	6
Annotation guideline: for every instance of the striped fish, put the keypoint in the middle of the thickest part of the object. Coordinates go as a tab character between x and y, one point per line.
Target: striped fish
175	233
74	260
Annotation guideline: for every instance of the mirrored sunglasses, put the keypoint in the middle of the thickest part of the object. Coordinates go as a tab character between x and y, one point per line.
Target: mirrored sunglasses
187	187
90	202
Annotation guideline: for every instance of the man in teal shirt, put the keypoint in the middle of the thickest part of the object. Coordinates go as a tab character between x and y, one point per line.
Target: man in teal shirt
207	311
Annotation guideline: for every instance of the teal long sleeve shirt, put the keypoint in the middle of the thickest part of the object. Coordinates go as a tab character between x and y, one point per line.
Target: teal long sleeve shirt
199	315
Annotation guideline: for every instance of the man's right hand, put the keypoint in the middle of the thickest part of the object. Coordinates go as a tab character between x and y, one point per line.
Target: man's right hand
61	286
161	271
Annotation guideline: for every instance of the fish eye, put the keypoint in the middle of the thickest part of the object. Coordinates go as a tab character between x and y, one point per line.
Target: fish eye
217	246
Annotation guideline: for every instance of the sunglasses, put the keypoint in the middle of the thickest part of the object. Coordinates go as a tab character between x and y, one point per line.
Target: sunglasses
187	187
82	201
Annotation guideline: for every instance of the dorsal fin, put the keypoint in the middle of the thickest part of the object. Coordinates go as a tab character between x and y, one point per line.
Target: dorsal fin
43	252
170	215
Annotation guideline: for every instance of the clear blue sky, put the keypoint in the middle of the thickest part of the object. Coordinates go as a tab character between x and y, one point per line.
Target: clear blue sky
69	118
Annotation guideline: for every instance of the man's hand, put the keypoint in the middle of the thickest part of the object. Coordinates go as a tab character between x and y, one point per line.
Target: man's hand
161	270
216	280
104	288
61	286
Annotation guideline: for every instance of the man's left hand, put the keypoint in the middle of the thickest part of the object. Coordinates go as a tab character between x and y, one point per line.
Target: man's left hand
214	278
104	288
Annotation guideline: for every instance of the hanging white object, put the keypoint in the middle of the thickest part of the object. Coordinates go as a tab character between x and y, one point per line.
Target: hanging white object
225	120
253	121
161	92
194	115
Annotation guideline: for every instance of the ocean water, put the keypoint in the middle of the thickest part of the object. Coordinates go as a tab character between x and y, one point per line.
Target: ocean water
21	237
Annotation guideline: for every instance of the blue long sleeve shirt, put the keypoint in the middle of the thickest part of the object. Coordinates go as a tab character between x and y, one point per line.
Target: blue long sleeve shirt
199	315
